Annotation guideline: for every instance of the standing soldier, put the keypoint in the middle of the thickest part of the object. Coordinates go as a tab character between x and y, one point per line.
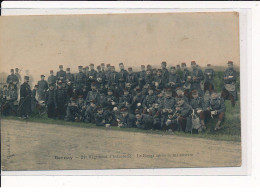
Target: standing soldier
80	80
165	72
179	71
51	102
69	76
149	100
110	101
102	67
12	79
209	78
160	82
52	78
131	79
43	86
141	76
100	77
24	109
214	107
92	75
196	77
4	102
174	80
126	100
122	75
112	78
11	100
61	100
229	90
61	75
34	100
17	73
93	94
185	73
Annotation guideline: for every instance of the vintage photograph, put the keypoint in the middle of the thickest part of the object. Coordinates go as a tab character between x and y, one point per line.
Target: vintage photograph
120	91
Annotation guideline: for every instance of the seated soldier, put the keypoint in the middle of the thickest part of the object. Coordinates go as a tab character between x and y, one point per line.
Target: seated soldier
126	100
198	105
89	116
72	111
214	107
4	93
81	108
51	102
10	104
93	94
143	121
180	94
125	119
168	101
183	112
110	100
138	100
149	100
155	112
100	117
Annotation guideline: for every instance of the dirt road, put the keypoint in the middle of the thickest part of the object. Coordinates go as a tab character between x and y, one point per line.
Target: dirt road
36	146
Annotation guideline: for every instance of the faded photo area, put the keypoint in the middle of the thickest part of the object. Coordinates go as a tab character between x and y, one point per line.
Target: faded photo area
113	91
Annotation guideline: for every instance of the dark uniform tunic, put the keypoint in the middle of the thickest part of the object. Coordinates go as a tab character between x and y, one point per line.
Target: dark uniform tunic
61	75
24	109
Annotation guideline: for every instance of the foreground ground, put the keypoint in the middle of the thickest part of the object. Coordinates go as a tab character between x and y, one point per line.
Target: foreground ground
39	146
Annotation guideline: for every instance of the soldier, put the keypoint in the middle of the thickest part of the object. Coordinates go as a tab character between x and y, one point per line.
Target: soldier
143	121
214	107
168	101
51	102
160	81
34	100
80	80
180	94
12	79
27	73
131	79
141	76
24	109
61	100
89	116
148	68
149	79
4	105
11	101
93	94
183	112
209	74
149	100
102	67
17	73
229	90
122	75
165	72
100	78
82	107
112	77
92	75
52	78
100	117
198	105
110	101
197	76
61	75
126	120
126	100
69	76
179	71
185	73
72	112
138	100
174	80
43	86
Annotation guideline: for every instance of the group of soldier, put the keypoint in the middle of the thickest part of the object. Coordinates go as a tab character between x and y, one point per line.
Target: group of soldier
160	99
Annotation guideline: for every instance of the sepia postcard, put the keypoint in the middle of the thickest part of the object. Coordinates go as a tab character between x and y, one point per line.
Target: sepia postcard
120	91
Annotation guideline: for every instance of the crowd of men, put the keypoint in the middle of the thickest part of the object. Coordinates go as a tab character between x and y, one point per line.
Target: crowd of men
161	99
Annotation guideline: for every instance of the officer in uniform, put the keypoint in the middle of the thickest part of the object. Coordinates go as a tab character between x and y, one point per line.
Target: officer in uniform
168	101
17	73
24	109
61	100
61	75
12	79
149	79
196	77
214	107
100	117
52	78
43	86
143	121
229	90
51	101
126	119
209	75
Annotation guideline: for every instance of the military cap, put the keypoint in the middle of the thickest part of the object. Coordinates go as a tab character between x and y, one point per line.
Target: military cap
208	65
51	71
121	64
193	62
178	66
91	64
108	65
93	101
73	99
99	107
194	91
93	83
130	68
87	67
68	69
12	70
5	86
230	62
183	64
143	66
159	70
102	64
80	67
179	88
213	91
16	69
150	87
172	67
164	63
149	66
59	82
137	111
123	109
109	90
113	67
51	84
98	67
138	89
26	77
126	89
60	66
42	75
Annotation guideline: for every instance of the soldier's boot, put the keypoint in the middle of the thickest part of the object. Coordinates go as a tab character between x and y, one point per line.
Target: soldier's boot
217	125
203	126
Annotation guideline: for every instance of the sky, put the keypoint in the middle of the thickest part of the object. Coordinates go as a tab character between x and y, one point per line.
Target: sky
42	43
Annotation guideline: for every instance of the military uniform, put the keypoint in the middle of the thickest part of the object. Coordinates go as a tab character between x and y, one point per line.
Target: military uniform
184	112
209	75
43	86
51	102
12	79
52	79
126	120
72	112
61	100
61	75
90	112
197	76
24	109
144	122
80	80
